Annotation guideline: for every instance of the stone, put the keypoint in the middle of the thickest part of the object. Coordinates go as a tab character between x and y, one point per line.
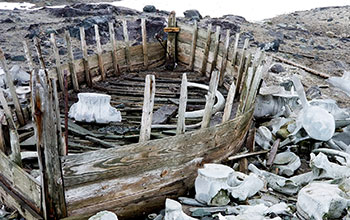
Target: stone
277	68
18	58
104	215
313	92
330	34
149	8
193	14
271	46
94	107
173	211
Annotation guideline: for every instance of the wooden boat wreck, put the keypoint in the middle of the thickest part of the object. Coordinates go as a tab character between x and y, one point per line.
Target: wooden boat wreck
130	173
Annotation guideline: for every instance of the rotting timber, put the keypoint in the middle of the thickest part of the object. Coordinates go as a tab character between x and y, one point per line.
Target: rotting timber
138	170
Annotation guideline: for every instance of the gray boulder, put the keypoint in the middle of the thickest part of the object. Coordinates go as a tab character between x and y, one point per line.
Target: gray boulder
149	8
193	14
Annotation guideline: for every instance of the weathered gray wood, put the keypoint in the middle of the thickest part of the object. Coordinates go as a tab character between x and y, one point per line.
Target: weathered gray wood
241	67
147	110
127	45
114	47
144	43
206	51
235	50
181	125
47	147
14	139
171	41
57	60
245	90
61	144
11	86
37	43
28	56
216	49
229	103
99	53
71	61
254	87
163	114
85	57
213	85
193	45
224	58
3	147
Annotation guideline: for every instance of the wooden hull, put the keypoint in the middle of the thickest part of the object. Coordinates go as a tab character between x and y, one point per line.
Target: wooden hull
137	178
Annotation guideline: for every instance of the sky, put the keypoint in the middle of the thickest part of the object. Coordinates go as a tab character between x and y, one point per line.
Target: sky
252	10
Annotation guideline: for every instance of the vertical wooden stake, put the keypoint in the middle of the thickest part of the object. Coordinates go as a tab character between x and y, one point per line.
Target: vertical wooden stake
245	91
206	51
144	43
14	139
99	53
71	61
229	103
254	88
114	47
147	110
235	47
216	49
247	64
47	146
213	85
9	82
39	53
181	126
193	46
66	111
126	41
171	41
224	58
28	56
58	60
241	67
85	57
3	147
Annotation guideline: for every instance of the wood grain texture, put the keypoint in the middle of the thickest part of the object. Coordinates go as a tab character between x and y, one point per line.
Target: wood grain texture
193	45
210	99
71	61
85	57
57	60
144	43
224	58
181	126
126	41
99	53
114	47
206	51
229	103
216	49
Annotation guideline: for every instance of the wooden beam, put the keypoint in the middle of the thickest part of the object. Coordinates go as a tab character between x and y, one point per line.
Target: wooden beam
99	53
224	58
47	147
127	45
171	41
144	43
213	85
235	50
241	66
71	61
206	51
181	125
216	49
171	29
193	46
245	90
57	60
147	110
28	56
253	88
12	88
229	103
85	57
3	147
114	48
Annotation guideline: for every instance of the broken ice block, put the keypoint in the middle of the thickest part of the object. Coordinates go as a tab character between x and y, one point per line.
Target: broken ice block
94	107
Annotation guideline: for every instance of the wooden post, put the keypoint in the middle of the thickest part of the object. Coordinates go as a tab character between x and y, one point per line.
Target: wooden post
171	41
245	90
12	89
58	61
114	47
126	41
147	110
213	85
229	103
193	46
99	53
254	88
241	67
206	51
3	147
28	57
224	58
47	147
85	57
38	51
71	61
14	139
144	43
216	49
235	47
181	125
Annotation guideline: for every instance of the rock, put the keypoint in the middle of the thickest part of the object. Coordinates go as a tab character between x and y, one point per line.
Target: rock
193	14
277	68
104	215
7	20
271	46
94	107
313	92
149	8
320	200
342	83
330	34
18	58
173	211
319	47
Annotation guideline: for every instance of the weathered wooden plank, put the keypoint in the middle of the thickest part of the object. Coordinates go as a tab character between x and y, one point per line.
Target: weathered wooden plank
85	57
241	67
171	29
216	49
245	90
181	125
171	41
127	45
229	103
114	47
57	60
71	61
254	87
147	110
213	85
206	50
28	56
163	114
144	43
235	50
11	86
224	58
99	53
3	147
193	45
